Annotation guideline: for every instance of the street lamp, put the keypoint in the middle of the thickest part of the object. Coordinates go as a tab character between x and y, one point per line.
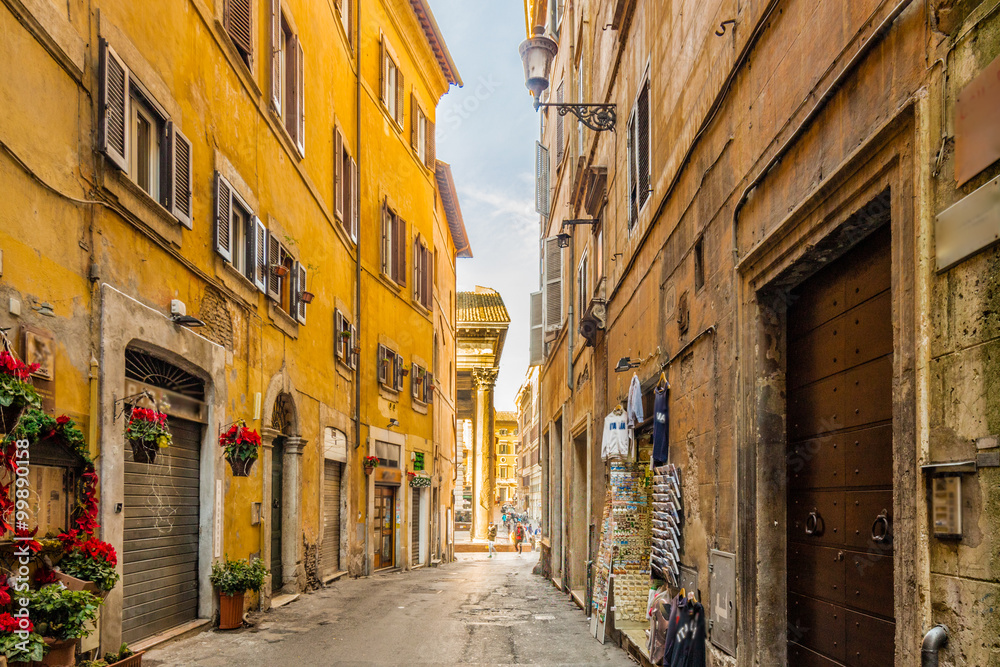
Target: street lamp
537	54
626	364
563	238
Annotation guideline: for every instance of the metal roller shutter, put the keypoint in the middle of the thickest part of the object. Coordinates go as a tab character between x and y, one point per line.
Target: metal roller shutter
330	553
160	555
415	526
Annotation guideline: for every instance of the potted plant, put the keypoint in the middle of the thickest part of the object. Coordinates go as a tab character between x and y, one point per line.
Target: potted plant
147	432
89	565
61	616
16	392
123	657
279	270
233	578
370	463
19	643
242	447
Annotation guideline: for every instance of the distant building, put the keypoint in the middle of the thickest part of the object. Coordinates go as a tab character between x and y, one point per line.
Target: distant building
530	470
506	446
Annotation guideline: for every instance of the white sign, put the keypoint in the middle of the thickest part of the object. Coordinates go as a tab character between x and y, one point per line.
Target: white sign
969	225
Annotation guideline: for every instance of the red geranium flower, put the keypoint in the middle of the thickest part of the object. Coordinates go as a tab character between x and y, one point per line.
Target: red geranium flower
10	624
44	576
32	544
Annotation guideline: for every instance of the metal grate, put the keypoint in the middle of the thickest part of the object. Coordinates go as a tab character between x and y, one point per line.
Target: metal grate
281	416
151	370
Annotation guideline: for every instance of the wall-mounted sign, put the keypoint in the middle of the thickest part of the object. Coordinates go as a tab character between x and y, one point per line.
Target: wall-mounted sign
173	403
39	348
977	132
946	507
384	475
969	225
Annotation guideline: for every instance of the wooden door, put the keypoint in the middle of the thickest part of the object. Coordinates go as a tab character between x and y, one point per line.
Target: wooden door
277	472
330	553
840	576
385	527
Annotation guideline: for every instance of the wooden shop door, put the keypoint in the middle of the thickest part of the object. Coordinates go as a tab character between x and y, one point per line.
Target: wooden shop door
385	526
840	575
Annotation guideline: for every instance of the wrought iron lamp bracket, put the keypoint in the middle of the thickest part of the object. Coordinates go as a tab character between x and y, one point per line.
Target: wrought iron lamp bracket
598	117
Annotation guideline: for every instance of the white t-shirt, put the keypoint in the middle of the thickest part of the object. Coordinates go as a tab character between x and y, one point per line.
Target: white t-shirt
615	441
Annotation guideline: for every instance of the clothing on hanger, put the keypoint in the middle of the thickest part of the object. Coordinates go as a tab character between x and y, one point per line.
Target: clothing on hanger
635	402
661	423
685	644
661	611
615	438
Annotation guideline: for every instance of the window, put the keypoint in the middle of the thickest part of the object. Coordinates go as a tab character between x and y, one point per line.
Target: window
285	278
422	138
390	369
242	232
345	185
387	453
346	9
346	335
541	179
287	76
240	237
393	246
638	155
582	285
422	274
699	265
140	139
560	127
421	384
392	85
238	21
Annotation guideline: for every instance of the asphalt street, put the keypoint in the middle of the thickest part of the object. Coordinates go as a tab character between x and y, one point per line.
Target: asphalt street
474	611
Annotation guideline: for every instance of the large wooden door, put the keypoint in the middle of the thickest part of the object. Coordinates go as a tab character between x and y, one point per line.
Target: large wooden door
385	526
160	555
330	553
277	472
840	575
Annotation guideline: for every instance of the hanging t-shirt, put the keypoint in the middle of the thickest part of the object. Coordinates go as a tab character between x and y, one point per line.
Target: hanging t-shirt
661	424
634	401
615	440
685	645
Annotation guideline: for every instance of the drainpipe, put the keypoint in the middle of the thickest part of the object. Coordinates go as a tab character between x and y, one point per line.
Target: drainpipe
934	641
357	267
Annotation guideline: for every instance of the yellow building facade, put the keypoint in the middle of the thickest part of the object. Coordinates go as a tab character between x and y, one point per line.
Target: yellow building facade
190	188
506	456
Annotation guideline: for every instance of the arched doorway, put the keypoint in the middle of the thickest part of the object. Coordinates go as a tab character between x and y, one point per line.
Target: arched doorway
282	421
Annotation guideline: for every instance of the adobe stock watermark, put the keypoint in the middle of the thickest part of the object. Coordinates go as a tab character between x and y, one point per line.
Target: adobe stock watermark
23	550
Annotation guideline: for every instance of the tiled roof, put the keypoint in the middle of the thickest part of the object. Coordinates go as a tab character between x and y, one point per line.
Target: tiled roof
506	416
436	41
483	305
452	211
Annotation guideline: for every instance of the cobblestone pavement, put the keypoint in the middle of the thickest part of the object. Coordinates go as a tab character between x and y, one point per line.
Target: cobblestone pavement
474	611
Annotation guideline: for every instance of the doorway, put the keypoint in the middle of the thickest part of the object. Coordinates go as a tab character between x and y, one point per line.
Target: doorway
385	526
577	519
839	462
277	472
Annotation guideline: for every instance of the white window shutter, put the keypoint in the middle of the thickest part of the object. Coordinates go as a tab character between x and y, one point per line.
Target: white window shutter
181	180
338	173
352	341
260	254
223	217
536	338
114	102
541	179
273	257
552	296
276	55
560	127
300	98
428	387
383	79
355	200
399	372
302	288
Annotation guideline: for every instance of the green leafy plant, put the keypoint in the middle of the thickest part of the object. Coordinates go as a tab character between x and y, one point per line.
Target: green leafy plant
90	560
13	646
60	613
148	426
371	462
93	663
240	443
35	425
231	577
123	652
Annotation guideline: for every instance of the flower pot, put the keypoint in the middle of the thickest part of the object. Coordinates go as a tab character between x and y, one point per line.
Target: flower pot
143	451
74	584
241	467
279	270
62	653
307	297
369	469
230	611
9	416
131	661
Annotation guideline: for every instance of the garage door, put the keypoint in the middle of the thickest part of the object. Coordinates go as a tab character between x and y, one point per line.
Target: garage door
840	542
415	526
161	536
330	554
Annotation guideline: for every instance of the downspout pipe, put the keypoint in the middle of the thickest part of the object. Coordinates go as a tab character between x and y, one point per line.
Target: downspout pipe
935	639
357	270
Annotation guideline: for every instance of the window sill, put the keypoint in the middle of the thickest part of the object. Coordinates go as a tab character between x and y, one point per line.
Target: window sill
419	407
236	58
282	320
389	282
344	370
138	202
284	134
388	394
236	282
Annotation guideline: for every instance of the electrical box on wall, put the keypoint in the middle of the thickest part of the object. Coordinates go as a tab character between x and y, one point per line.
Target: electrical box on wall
946	507
255	514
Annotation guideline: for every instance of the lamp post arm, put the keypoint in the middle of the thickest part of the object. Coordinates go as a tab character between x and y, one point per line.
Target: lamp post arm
598	117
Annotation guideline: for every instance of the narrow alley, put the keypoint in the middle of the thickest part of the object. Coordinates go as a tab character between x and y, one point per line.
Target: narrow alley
473	611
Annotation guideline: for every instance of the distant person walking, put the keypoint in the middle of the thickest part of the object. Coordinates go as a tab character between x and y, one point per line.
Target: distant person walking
518	537
491	538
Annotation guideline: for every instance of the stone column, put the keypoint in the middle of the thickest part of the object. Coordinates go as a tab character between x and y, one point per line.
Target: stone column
482	450
291	528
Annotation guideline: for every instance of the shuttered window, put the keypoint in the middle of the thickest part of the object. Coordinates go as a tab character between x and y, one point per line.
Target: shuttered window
536	336
560	127
344	332
339	177
638	142
240	236
422	274
552	292
390	369
392	85
418	377
430	152
140	139
393	246
238	20
345	185
302	289
260	260
287	76
274	261
541	179
346	10
355	201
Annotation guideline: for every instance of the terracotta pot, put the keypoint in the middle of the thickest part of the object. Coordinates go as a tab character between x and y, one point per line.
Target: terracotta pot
131	661
307	297
142	451
241	467
369	469
9	417
62	653
279	270
230	611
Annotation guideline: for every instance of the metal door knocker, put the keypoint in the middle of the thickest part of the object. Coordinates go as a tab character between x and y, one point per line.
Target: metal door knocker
814	523
880	528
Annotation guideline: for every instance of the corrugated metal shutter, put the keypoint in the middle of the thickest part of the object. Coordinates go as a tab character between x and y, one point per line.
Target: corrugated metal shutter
330	553
160	554
415	526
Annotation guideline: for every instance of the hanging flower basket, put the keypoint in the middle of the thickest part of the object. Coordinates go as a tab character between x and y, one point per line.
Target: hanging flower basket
16	392
419	480
279	270
370	463
242	447
143	451
147	433
307	297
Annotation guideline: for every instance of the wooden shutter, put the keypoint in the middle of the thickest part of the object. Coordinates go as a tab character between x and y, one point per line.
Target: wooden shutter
383	78
552	295
642	147
301	314
536	336
260	254
338	173
339	344
417	283
399	245
387	256
294	290
352	357
355	199
428	387
414	121
276	55
300	98
431	150
399	372
181	182
560	127
223	217
541	179
428	279
383	365
273	257
238	19
416	382
400	91
114	101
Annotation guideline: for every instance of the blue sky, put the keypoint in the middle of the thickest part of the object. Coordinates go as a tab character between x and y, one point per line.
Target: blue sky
486	130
